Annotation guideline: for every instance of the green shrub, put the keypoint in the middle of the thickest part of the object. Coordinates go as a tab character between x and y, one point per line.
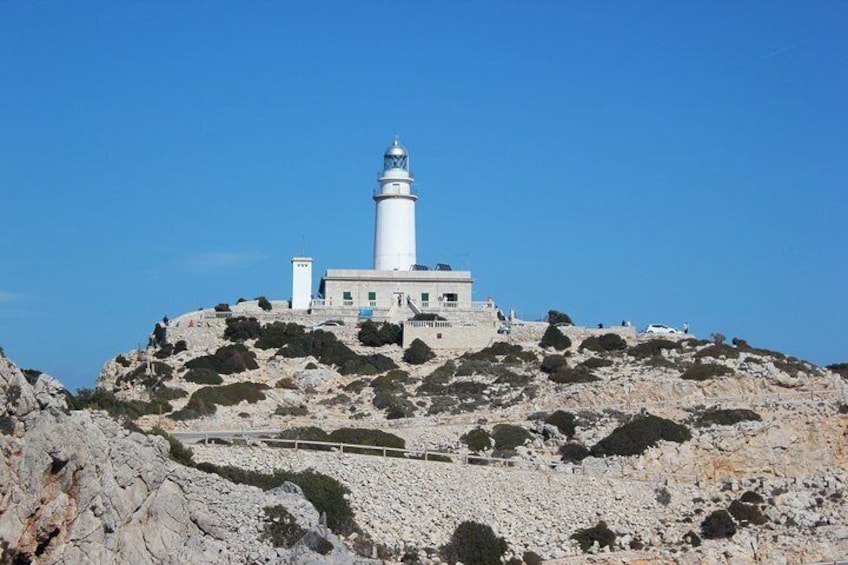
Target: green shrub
178	452
242	329
166	393
279	334
263	303
280	528
357	386
436	382
229	395
325	493
222	307
180	346
306	433
491	353
440	404
99	399
579	374
531	558
7	425
123	361
573	452
423	317
726	417
605	342
228	360
508	436
418	353
473	543
599	533
555	338
286	383
291	410
194	411
705	371
595	363
552	363
478	440
203	377
372	335
160	372
745	513
363	436
555	317
840	369
335	400
395	406
164	352
564	421
692	538
751	497
652	348
718	524
718	350
638	435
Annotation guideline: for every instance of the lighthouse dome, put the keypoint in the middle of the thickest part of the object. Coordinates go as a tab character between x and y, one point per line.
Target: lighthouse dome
396	149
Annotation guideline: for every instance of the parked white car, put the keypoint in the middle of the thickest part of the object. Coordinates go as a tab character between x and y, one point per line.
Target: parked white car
661	329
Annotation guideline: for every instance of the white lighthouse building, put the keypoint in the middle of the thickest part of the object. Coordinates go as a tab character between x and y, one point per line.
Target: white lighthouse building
394	226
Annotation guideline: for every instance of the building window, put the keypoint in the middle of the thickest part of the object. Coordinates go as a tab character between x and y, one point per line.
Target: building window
346	295
425	297
438	336
372	296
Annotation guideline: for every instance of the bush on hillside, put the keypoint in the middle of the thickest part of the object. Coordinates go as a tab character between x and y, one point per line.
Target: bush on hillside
478	440
222	307
291	410
555	338
605	342
327	494
372	335
424	317
278	334
326	347
564	421
473	543
364	436
751	497
99	399
357	386
229	395
573	452
194	411
726	417
652	348
392	381
180	346
203	377
745	513
228	360
164	352
705	371
718	524
552	363
177	451
508	436
840	369
717	351
596	363
599	533
123	361
263	303
566	375
638	435
280	528
242	329
555	317
436	382
491	353
418	353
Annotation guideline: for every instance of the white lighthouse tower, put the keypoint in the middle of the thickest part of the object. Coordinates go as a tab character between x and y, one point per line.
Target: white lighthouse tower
394	230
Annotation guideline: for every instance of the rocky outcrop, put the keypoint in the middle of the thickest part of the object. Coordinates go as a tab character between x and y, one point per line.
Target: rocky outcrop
77	487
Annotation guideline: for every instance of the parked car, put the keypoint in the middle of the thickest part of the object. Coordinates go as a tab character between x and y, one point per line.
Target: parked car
661	329
327	324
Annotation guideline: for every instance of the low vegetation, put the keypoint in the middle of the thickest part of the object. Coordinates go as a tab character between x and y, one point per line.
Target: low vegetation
599	533
227	360
652	348
638	435
718	524
418	353
556	317
280	528
478	440
178	452
473	543
564	421
294	343
242	329
605	342
726	417
717	351
507	436
573	375
705	371
555	339
372	335
364	436
203	377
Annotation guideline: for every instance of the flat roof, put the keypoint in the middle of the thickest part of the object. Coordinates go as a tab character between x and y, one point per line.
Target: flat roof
397	276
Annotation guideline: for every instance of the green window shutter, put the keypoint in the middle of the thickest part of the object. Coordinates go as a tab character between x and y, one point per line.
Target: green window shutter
372	296
425	297
346	295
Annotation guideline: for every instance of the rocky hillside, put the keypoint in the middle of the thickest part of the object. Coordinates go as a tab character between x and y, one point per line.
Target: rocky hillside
77	487
688	451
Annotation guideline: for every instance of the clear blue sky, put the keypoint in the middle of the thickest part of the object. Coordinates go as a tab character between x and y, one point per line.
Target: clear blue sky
655	161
